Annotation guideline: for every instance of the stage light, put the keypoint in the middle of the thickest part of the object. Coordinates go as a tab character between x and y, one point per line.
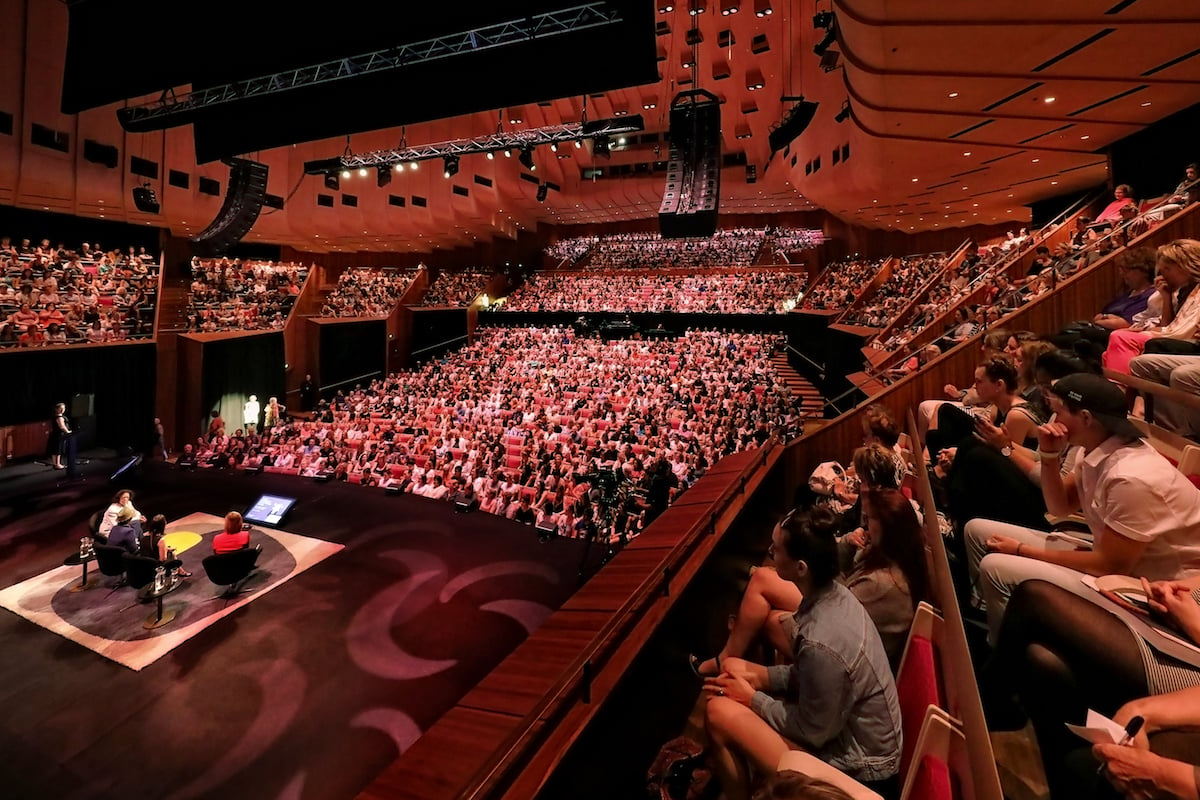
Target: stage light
601	146
346	174
844	114
526	158
362	172
578	144
399	166
541	192
451	166
823	19
508	152
383	175
762	8
491	156
331	181
554	147
826	43
413	165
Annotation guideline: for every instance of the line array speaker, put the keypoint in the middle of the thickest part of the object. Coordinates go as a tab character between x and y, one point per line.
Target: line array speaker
243	202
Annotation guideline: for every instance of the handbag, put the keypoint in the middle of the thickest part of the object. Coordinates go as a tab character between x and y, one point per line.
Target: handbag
1162	345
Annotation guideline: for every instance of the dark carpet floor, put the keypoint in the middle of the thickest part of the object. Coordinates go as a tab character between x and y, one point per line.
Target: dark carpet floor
309	691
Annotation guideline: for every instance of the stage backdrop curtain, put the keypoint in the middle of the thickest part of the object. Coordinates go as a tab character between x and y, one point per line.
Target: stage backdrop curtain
236	368
122	377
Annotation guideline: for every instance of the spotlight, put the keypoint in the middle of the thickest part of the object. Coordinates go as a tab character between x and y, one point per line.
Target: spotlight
554	147
451	163
823	19
362	172
383	175
826	43
412	165
331	181
541	192
729	7
491	156
762	8
399	166
844	114
601	145
578	144
526	159
508	152
346	174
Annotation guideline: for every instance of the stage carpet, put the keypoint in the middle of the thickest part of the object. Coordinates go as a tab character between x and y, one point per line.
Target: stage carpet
110	622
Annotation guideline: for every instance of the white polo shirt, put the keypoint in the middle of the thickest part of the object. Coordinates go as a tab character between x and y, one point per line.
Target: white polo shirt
1132	490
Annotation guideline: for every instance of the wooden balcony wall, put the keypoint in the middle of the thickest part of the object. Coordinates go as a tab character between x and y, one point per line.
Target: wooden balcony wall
295	333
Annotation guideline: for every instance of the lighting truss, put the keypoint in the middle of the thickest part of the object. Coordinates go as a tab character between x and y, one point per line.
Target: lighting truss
171	110
493	142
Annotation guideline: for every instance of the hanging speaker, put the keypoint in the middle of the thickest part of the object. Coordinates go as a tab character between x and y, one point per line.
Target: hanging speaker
145	200
243	202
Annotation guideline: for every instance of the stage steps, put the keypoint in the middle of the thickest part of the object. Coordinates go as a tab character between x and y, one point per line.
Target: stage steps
811	401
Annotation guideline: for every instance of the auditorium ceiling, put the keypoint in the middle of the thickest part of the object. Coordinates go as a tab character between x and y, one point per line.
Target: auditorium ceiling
955	113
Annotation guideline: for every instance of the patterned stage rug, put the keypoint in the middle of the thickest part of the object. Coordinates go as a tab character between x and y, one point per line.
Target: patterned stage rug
111	622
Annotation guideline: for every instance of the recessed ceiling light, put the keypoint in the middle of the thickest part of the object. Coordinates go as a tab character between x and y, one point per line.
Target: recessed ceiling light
1145	104
1054	183
1049	100
1036	160
1084	138
914	180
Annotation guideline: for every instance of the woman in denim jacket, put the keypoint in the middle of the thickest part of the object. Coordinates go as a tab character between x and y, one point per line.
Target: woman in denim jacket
840	700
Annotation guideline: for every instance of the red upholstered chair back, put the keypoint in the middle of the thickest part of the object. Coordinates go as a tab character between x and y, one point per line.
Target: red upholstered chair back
932	780
918	687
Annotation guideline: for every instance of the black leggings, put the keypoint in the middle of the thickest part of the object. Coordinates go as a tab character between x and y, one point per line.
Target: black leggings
1063	655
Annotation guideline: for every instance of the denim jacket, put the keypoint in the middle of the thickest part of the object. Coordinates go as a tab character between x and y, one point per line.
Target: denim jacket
845	709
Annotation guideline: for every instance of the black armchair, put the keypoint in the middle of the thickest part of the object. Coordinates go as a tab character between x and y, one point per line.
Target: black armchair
111	562
139	570
231	569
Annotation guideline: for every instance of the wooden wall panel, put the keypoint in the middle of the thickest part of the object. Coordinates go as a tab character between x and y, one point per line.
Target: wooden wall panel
47	176
12	93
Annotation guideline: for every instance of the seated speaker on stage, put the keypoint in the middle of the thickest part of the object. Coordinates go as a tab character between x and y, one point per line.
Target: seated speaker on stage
127	532
233	537
122	498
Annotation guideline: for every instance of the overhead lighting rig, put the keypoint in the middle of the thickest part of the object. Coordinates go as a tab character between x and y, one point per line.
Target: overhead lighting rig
501	141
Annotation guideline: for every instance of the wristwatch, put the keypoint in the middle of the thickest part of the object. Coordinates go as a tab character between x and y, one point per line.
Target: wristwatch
1006	451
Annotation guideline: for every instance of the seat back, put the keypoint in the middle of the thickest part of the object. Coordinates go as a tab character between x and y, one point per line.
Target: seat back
110	560
918	687
941	767
139	570
229	568
94	523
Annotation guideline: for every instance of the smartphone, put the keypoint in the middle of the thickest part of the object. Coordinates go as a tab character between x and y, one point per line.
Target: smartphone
1135	599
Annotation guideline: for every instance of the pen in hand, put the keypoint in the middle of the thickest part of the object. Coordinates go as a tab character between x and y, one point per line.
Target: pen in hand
1131	730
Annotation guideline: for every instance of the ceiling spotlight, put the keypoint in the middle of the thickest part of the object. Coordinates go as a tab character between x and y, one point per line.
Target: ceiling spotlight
578	144
600	146
346	174
451	166
541	192
491	156
508	152
383	175
826	43
526	159
331	181
413	165
399	166
362	172
762	8
554	147
698	7
823	19
729	7
844	114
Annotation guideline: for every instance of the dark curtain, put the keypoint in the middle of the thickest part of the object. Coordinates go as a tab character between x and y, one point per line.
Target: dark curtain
234	369
122	377
352	352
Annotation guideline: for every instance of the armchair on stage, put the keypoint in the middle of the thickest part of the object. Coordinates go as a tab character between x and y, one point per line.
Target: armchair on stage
231	569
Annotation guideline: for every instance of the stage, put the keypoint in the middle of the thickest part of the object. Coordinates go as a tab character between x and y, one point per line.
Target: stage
305	690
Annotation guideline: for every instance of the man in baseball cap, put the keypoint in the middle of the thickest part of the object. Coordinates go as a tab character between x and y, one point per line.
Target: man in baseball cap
1142	513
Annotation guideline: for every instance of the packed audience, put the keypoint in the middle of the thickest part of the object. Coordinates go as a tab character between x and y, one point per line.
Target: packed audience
734	247
840	283
50	295
540	425
571	250
894	294
365	292
791	240
232	294
456	288
747	292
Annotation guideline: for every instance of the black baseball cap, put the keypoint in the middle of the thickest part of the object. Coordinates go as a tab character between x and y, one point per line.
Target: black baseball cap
1100	396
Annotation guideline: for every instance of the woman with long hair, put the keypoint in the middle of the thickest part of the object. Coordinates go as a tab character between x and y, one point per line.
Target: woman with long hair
1178	268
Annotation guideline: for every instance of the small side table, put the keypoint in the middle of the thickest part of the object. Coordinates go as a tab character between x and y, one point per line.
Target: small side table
74	560
160	617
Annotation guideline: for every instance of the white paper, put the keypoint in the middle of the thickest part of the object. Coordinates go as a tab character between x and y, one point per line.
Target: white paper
1098	729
